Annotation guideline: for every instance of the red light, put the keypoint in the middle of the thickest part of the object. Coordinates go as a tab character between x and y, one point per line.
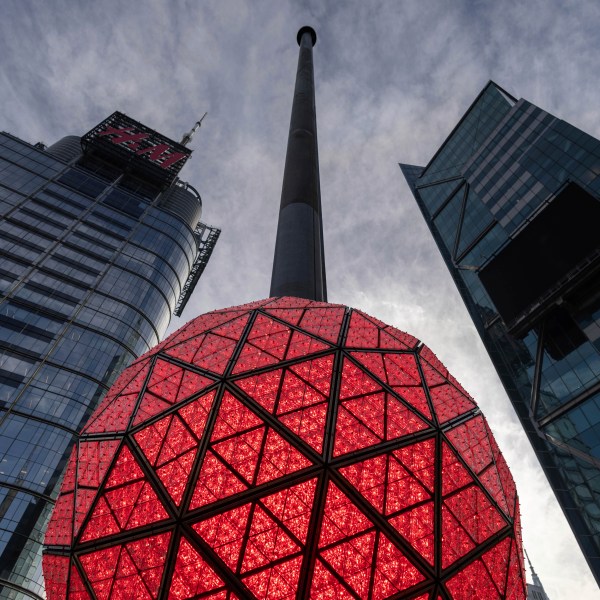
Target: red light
286	449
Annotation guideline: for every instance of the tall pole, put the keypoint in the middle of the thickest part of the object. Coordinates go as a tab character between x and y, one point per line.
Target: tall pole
299	262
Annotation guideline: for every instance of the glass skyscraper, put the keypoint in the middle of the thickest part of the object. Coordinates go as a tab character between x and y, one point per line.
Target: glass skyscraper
100	244
511	199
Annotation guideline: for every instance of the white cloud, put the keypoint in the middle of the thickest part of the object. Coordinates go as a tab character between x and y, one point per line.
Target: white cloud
392	79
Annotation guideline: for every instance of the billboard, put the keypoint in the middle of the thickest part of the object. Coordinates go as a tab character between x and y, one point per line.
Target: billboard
146	152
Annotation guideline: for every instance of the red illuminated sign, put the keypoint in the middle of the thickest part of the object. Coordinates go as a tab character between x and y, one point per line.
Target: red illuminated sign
128	137
145	152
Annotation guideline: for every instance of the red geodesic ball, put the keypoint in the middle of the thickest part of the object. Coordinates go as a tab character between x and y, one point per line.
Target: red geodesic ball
286	449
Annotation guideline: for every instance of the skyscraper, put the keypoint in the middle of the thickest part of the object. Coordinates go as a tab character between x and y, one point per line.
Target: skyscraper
287	448
100	243
535	590
511	198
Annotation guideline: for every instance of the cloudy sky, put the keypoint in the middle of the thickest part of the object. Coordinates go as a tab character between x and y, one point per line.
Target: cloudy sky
392	80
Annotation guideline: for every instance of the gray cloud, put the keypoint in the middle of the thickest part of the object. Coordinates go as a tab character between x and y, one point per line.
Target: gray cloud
392	80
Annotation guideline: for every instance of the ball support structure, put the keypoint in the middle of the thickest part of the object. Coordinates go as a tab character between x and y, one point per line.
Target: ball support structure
286	449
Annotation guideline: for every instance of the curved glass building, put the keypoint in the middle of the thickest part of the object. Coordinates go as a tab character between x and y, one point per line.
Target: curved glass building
101	243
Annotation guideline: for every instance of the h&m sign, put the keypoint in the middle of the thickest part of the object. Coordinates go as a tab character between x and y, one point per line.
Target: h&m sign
150	146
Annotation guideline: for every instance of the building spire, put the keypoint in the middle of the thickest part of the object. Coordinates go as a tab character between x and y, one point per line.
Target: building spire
187	138
299	261
537	587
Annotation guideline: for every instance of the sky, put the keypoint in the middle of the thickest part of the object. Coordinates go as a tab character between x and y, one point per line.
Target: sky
392	79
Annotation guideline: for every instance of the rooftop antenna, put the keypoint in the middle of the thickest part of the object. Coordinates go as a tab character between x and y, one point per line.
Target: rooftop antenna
187	138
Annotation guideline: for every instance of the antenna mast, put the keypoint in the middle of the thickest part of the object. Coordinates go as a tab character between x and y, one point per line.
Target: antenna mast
187	138
299	262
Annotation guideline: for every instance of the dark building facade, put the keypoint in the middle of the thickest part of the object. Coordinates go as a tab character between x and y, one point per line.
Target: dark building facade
511	199
100	243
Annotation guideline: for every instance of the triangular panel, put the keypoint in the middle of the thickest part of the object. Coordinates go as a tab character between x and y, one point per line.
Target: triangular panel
77	589
293	507
454	474
362	332
269	335
324	322
262	388
192	575
201	324
170	448
242	452
473	582
115	409
352	560
303	345
115	417
100	568
215	481
265	345
279	458
168	385
174	474
140	568
496	561
290	315
195	413
417	526
355	382
393	571
341	518
252	358
279	581
326	585
479	518
234	417
208	351
128	500
56	574
401	421
225	534
232	329
296	394
419	460
308	424
516	575
267	542
449	402
94	459
471	440
369	478
403	488
391	336
351	434
316	372
60	528
456	542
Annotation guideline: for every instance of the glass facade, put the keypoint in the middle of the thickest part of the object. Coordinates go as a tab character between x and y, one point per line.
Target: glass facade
91	268
284	449
511	199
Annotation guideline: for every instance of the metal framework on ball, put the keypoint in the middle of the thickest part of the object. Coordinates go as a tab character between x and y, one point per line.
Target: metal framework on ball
286	449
